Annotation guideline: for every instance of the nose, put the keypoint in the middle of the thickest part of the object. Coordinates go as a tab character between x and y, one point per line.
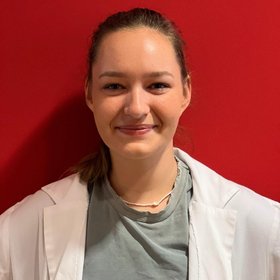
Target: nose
136	104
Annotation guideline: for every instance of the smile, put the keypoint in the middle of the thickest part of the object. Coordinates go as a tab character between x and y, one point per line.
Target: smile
136	130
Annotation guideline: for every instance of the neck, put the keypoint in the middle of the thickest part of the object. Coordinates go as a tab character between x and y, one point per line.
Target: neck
144	180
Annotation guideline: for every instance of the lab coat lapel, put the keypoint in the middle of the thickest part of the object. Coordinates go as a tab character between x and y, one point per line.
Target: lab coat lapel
64	233
210	242
212	224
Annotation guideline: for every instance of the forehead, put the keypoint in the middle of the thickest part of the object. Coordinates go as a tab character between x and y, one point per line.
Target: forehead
141	48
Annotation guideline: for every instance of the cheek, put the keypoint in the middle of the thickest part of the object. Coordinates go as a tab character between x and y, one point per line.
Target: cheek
105	111
103	103
170	111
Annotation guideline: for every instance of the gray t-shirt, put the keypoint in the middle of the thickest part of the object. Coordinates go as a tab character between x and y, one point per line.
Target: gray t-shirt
123	243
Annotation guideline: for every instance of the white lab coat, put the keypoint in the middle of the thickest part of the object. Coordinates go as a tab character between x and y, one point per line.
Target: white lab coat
234	233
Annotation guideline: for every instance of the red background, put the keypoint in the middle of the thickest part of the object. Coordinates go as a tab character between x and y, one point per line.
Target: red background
233	124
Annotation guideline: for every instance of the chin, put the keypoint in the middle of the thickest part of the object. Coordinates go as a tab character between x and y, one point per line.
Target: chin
135	151
139	151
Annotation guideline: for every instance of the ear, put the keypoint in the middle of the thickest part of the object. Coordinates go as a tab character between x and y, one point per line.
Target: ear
187	91
88	94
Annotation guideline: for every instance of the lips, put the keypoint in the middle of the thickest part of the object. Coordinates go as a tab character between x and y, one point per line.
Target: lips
137	129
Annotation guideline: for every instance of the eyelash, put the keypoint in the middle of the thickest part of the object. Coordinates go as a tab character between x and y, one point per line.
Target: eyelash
158	86
113	86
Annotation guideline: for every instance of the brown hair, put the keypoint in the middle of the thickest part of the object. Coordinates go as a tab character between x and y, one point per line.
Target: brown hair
95	167
138	17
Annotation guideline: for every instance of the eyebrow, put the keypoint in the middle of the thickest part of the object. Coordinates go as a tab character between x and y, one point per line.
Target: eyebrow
121	74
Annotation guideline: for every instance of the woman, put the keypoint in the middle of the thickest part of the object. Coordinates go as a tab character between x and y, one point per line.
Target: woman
140	209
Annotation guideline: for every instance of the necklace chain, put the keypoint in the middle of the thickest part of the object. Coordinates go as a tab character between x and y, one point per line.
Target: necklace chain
153	204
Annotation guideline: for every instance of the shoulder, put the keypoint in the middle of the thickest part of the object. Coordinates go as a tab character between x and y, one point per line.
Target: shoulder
46	196
25	213
250	201
26	207
214	190
254	212
21	225
68	188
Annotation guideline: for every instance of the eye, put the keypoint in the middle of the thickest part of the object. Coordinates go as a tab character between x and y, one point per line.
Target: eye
159	87
113	86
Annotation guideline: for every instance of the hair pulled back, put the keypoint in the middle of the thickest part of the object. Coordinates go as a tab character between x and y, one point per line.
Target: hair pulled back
138	17
95	167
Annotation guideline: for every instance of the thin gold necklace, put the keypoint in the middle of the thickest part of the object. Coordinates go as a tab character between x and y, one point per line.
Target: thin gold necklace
155	203
152	204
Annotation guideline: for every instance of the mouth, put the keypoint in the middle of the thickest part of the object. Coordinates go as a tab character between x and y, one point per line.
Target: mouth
137	129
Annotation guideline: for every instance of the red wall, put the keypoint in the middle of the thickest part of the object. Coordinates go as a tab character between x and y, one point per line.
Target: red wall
233	124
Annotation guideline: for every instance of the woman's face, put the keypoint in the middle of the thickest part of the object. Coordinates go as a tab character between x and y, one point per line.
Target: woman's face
136	93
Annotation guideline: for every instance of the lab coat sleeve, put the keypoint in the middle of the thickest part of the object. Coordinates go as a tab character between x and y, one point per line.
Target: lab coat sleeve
275	246
5	264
